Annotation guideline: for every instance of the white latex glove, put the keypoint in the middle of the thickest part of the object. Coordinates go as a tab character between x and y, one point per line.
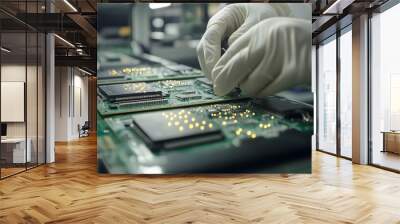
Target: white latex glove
229	24
272	56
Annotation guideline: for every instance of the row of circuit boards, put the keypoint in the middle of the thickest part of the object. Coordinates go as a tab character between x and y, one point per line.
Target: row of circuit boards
152	95
155	123
122	68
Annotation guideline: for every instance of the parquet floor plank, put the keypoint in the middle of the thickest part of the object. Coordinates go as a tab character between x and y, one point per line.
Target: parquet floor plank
71	191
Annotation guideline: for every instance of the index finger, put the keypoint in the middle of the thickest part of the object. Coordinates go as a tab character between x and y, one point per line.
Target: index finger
219	28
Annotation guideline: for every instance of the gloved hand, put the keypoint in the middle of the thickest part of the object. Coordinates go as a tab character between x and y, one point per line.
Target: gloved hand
272	56
229	24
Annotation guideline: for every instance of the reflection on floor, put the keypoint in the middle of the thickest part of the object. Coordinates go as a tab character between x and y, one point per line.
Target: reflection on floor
71	191
387	159
8	171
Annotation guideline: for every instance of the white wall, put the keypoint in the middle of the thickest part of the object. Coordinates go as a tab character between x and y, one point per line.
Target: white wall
80	109
62	81
82	82
70	83
14	73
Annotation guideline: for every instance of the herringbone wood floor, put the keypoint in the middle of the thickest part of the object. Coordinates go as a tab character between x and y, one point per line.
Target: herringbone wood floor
70	191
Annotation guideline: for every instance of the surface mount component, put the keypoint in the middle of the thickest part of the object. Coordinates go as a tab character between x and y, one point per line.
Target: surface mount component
186	92
112	74
130	92
187	97
204	82
174	129
180	68
176	85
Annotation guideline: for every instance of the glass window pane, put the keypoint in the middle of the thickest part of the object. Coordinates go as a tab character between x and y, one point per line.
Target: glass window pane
14	153
385	84
31	97
23	90
314	90
327	96
32	88
346	94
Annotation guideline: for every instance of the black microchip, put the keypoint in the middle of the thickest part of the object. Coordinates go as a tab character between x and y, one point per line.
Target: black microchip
174	129
130	92
112	58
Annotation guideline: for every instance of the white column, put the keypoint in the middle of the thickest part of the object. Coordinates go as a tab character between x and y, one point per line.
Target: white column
360	90
50	92
50	99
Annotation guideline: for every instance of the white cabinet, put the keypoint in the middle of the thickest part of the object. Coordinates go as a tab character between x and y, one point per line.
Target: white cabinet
18	149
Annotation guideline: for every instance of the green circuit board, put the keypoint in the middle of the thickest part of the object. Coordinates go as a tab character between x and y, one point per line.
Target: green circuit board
156	116
147	96
145	73
123	68
195	133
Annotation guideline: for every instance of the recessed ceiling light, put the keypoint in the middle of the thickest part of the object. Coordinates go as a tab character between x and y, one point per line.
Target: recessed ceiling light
70	5
159	5
64	40
84	71
5	50
337	7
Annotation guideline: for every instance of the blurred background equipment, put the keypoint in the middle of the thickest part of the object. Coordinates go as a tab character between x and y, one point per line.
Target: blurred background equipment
168	30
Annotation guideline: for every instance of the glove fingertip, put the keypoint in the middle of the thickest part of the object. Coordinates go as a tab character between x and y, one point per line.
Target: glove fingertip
221	90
